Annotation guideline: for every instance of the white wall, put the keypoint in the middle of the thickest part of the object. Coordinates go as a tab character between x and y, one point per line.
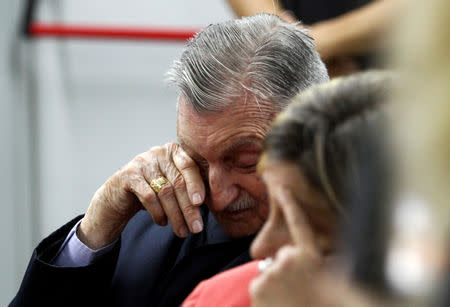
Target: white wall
76	111
16	208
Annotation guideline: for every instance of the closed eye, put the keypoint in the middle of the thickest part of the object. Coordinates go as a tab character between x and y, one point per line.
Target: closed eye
247	161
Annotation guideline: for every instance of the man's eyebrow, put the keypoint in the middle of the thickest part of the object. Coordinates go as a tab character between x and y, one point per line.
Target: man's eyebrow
231	149
244	142
194	155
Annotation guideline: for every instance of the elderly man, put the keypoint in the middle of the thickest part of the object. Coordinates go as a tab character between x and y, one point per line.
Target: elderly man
234	77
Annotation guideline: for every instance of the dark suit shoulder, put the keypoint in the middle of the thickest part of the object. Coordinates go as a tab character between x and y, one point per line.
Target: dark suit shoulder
156	268
45	284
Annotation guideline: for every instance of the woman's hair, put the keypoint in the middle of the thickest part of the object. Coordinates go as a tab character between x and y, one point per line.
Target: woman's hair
323	127
335	134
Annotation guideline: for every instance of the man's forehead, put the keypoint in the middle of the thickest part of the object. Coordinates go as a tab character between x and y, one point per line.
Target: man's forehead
239	125
190	123
250	106
232	146
186	113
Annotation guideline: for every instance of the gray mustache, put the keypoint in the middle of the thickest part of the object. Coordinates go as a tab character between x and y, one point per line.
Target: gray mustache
245	202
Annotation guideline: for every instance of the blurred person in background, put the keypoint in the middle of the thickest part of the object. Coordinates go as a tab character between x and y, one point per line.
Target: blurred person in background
419	262
347	33
233	77
325	166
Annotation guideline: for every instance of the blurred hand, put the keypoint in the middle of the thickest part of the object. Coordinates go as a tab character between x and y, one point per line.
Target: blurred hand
295	279
336	65
128	191
288	16
288	281
341	66
299	274
294	266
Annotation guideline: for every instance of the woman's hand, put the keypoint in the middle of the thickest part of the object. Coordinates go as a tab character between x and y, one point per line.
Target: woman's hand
294	266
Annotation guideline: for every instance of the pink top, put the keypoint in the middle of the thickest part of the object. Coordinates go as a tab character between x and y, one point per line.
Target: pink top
229	288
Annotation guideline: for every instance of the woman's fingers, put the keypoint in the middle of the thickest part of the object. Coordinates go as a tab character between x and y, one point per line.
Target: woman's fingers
297	222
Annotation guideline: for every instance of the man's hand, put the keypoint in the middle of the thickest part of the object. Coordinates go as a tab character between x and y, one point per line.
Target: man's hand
128	191
342	66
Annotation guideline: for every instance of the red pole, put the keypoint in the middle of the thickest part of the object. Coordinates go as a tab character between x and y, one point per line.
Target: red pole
109	32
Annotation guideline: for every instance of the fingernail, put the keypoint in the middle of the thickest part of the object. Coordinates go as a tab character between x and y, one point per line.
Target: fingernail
196	198
197	226
183	231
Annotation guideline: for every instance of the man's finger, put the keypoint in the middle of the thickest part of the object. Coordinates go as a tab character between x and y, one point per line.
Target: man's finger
151	166
191	174
149	200
173	212
190	212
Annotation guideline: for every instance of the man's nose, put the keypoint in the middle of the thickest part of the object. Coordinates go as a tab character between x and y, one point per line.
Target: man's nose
223	189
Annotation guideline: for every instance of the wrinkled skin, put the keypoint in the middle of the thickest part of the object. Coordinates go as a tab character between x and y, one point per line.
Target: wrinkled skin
213	162
227	148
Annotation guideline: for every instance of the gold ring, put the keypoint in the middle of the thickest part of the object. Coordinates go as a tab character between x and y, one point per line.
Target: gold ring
157	184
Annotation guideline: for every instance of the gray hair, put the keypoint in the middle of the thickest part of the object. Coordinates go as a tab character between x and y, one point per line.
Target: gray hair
259	57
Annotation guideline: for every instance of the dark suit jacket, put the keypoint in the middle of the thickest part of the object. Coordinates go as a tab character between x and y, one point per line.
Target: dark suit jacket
149	266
